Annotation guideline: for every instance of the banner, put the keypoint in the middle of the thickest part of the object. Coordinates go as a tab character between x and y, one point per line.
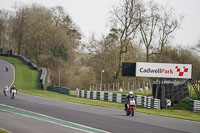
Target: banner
163	70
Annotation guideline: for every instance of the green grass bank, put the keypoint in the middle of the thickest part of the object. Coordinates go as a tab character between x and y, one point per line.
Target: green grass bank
25	78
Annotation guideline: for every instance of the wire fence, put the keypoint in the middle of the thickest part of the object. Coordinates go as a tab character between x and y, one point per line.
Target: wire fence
122	86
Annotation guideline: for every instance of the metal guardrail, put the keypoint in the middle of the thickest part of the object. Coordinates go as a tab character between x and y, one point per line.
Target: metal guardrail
43	77
62	90
28	62
143	101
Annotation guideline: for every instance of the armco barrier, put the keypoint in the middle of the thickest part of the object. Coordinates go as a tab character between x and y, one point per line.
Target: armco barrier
143	101
148	102
194	105
59	89
28	62
24	59
43	77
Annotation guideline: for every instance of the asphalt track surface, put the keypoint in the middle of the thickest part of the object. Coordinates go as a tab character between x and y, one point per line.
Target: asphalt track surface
6	78
20	124
111	120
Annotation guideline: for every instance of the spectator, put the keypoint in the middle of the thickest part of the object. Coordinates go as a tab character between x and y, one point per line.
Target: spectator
6	69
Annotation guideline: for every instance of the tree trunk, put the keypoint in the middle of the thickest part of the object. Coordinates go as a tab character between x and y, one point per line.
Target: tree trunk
19	44
119	65
147	54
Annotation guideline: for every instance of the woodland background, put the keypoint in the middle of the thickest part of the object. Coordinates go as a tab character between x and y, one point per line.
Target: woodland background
138	32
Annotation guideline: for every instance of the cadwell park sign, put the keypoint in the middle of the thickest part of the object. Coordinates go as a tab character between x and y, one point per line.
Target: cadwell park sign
157	70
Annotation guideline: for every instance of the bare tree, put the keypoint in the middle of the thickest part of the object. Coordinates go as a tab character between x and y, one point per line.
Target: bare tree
157	27
169	22
149	17
5	30
19	28
125	23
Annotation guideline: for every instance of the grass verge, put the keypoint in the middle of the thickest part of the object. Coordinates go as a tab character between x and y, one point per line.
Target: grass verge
28	82
3	131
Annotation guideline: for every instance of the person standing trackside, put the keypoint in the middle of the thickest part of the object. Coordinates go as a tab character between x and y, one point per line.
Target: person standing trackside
6	69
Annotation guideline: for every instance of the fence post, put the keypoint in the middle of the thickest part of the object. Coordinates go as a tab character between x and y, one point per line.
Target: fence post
123	85
135	85
128	86
139	83
190	91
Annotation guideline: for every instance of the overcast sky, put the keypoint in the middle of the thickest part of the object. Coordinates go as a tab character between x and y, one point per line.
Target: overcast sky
92	15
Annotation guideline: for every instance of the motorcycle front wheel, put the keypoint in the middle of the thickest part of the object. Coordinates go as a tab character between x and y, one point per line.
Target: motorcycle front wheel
133	112
4	92
12	96
127	112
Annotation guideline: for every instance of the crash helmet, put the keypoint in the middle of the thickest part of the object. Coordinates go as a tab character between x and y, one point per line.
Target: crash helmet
130	92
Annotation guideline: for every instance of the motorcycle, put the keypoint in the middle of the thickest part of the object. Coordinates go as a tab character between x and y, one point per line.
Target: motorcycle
6	90
131	107
13	93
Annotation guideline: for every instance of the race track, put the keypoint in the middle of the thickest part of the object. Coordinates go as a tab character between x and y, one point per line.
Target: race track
110	120
6	78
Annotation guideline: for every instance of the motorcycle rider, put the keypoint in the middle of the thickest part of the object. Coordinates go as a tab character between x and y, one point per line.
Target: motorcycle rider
12	89
6	69
6	90
130	95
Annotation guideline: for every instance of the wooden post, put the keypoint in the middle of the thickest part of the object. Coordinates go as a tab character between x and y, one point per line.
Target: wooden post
135	84
190	91
147	85
128	87
150	84
90	87
139	84
144	87
118	85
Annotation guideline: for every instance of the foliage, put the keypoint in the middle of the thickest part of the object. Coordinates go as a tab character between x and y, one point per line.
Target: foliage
139	31
47	36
